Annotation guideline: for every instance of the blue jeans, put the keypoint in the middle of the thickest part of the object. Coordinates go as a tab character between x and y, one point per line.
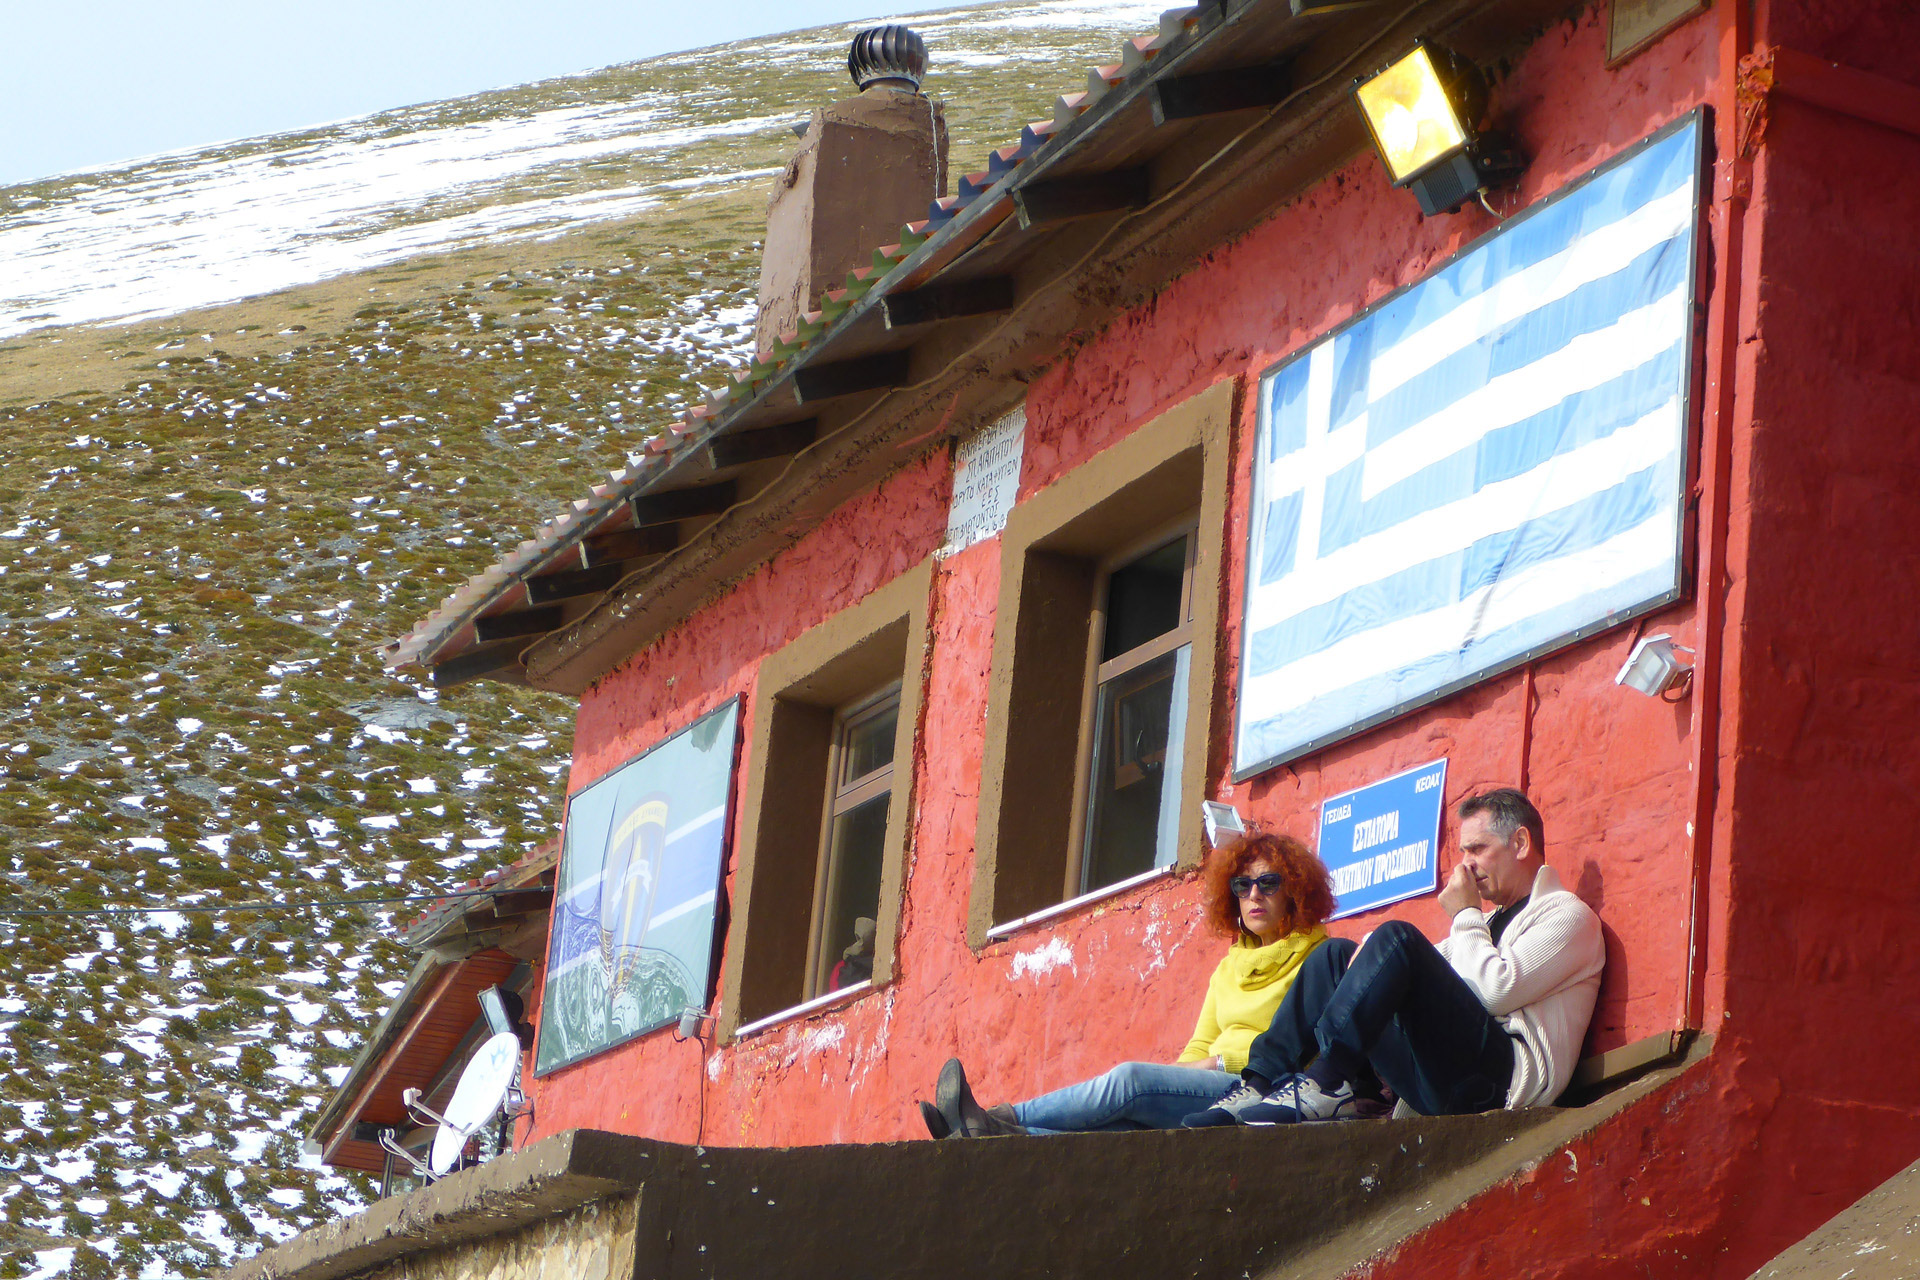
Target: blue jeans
1134	1095
1400	1006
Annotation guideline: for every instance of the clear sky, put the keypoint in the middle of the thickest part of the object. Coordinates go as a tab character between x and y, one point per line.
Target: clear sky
91	82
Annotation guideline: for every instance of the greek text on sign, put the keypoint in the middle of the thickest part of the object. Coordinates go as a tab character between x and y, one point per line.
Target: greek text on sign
986	478
1382	842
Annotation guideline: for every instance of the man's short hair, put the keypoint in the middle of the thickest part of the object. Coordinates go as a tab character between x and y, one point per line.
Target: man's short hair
1507	810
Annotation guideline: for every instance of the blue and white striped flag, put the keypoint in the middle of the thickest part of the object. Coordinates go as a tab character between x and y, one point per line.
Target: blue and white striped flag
1488	463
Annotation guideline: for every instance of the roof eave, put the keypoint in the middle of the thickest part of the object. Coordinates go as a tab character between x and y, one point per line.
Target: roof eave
1202	200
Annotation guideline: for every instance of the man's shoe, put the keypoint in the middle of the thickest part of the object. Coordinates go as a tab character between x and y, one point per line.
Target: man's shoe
965	1117
936	1123
1228	1110
1298	1100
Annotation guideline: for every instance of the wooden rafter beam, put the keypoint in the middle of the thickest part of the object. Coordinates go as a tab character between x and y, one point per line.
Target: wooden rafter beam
756	445
521	901
682	504
522	622
631	544
1211	93
880	372
571	584
1080	196
476	664
949	301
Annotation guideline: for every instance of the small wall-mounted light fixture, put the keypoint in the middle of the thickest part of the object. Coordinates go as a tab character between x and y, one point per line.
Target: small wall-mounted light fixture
691	1019
1424	112
504	1010
1223	822
1653	669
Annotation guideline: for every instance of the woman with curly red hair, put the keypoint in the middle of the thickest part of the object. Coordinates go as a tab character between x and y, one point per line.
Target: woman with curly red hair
1272	896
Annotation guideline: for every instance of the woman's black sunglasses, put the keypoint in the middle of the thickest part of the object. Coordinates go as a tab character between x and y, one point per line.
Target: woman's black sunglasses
1242	886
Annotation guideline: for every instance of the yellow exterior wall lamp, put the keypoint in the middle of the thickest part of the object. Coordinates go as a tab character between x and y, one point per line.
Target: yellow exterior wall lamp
1423	112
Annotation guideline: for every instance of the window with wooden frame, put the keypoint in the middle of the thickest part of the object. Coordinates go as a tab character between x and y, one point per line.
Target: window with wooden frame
846	897
824	808
1130	804
1100	706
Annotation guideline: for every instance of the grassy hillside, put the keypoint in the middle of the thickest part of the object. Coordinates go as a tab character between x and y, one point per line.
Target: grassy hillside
210	520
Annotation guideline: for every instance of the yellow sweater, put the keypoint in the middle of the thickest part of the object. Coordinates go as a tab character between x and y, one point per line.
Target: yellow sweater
1243	994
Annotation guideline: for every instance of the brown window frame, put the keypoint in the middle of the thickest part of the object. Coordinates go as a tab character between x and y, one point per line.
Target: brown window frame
800	693
844	795
1054	551
1100	674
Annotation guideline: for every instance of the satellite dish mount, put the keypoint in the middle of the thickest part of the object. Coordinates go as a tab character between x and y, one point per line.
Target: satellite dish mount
489	1086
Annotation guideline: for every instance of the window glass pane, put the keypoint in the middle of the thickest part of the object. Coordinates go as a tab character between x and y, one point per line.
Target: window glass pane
1166	840
869	744
1143	599
1132	819
852	893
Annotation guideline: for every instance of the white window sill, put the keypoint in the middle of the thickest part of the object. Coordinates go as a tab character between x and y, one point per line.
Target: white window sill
1074	904
799	1011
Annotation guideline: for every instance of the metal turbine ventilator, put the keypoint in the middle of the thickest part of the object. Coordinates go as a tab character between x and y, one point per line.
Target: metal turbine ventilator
892	56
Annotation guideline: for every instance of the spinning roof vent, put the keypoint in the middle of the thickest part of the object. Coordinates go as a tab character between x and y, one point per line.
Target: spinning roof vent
894	57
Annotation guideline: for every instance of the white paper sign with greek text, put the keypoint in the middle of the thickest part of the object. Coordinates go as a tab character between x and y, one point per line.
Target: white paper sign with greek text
986	476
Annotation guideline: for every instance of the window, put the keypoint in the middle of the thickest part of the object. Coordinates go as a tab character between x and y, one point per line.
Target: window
824	808
1102	694
1145	627
847	892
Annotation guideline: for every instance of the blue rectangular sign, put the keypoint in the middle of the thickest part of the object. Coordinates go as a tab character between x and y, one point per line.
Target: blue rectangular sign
1382	842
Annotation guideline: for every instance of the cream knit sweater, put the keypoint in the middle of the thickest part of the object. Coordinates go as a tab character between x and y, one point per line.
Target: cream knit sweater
1541	982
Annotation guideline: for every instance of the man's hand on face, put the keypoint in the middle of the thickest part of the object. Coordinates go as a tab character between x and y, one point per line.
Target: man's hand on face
1459	893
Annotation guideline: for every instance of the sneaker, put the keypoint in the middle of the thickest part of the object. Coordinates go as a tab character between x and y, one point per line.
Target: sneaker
1298	1100
1227	1110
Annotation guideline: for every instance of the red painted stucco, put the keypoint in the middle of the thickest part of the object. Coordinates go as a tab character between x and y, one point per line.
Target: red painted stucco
1775	908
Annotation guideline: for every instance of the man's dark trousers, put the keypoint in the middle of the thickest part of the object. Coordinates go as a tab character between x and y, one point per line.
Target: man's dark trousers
1399	1005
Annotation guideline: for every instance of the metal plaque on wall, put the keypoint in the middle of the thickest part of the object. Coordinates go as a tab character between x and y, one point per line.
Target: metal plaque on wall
1635	24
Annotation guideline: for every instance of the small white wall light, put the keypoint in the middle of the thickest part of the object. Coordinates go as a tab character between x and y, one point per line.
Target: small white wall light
1653	669
1223	822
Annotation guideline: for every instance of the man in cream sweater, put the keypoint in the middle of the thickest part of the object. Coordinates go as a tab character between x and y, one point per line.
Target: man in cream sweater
1492	1016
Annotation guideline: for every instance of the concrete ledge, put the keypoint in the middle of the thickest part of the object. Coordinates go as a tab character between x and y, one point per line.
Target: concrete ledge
1212	1204
1877	1239
543	1181
1346	1251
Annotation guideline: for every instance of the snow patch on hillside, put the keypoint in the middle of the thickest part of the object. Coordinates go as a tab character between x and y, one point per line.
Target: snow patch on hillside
183	232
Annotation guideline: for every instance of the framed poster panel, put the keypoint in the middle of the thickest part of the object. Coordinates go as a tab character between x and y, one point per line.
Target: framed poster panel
631	943
1487	465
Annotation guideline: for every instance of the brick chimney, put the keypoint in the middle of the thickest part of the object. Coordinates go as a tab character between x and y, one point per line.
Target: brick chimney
865	165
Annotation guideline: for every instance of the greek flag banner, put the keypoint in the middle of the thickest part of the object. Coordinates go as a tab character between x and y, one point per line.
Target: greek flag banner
1488	464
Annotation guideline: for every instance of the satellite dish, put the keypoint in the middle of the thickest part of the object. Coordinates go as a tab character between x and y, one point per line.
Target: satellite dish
477	1098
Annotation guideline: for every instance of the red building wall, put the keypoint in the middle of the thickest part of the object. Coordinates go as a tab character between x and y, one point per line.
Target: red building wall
1122	979
1808	1099
1775	908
